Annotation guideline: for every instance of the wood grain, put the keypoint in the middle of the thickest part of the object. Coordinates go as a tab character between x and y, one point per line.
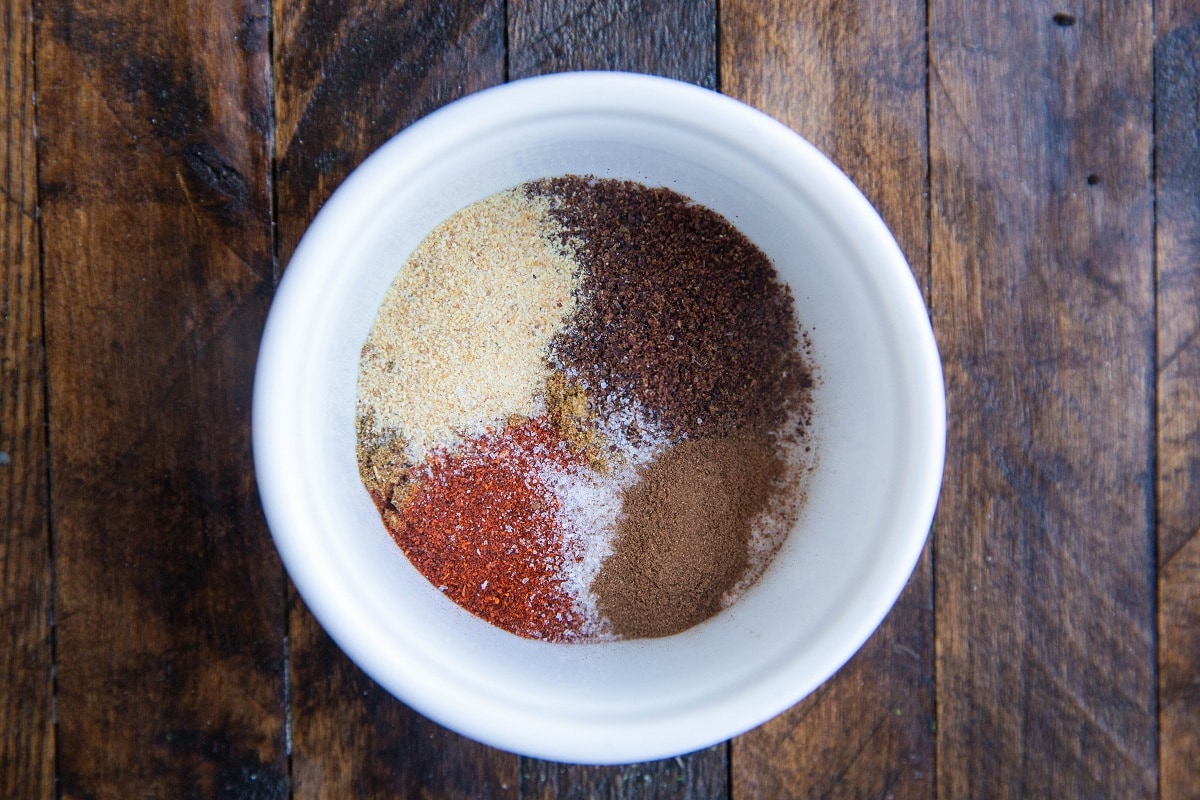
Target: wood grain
676	40
26	685
1177	173
154	162
696	776
1049	205
351	739
1040	151
673	39
849	77
348	76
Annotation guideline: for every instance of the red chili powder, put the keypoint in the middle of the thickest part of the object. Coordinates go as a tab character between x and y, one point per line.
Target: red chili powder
483	528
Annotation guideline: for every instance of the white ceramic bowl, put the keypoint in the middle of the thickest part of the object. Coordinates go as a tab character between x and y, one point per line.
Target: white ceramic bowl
880	424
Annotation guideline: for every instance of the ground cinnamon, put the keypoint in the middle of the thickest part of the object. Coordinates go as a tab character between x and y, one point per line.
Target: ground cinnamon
684	537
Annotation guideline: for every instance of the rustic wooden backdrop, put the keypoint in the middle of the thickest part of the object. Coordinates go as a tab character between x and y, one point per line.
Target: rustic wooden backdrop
1039	163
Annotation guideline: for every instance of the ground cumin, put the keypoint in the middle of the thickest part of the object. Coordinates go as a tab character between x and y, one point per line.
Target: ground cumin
567	408
683	540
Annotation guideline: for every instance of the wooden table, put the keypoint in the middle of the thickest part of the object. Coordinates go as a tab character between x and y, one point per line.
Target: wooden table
1039	164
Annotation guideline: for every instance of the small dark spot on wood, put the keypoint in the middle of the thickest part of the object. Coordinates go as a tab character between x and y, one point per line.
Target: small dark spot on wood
327	161
252	31
1093	179
1063	20
71	784
217	180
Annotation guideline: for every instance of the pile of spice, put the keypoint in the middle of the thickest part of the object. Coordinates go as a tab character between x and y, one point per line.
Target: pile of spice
583	410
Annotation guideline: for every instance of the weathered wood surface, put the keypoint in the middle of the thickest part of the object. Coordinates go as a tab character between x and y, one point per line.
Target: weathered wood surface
350	738
695	776
26	727
1040	167
1177	173
850	79
1043	302
674	39
153	143
349	75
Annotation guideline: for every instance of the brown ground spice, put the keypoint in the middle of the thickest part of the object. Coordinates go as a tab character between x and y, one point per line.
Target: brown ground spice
567	408
681	311
683	539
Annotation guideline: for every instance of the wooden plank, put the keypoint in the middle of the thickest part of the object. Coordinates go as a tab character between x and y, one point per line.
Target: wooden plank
154	173
849	77
689	777
1040	151
676	40
1177	173
348	76
26	684
350	738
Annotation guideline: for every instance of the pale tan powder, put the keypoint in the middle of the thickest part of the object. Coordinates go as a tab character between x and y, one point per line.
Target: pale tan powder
461	337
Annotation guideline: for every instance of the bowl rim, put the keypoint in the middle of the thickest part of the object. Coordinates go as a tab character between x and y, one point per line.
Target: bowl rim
665	100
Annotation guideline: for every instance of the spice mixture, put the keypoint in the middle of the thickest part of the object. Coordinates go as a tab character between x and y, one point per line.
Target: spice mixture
583	408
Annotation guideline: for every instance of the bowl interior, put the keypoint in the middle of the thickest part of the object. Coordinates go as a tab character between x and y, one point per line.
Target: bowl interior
877	426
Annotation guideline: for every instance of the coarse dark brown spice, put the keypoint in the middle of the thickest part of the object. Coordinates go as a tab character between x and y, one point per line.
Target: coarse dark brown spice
684	535
681	311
